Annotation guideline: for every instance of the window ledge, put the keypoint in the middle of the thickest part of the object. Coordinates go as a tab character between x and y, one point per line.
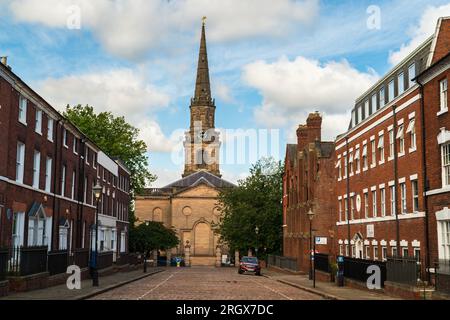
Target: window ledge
381	162
23	122
401	154
440	113
411	150
365	169
373	165
39	133
390	158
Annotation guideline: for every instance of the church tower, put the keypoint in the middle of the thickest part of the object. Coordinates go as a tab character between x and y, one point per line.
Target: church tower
202	144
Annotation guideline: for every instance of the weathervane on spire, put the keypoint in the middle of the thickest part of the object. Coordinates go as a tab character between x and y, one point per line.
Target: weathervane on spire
204	20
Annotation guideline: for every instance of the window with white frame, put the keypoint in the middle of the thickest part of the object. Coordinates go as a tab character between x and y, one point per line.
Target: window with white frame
405	252
364	156
374	103
411	74
382	98
366	205
353	118
366	109
360	114
444	94
401	83
65	137
446	164
391	90
38	122
401	138
72	189
394	252
415	195
374	203
122	242
353	251
367	252
63	181
20	162
357	161
341	250
36	169
48	174
23	109
381	148
412	134
403	197
64	236
75	145
375	253
383	202
85	189
392	197
338	166
374	153
346	250
50	129
350	163
352	206
345	168
340	210
391	144
444	239
384	253
346	209
86	155
417	254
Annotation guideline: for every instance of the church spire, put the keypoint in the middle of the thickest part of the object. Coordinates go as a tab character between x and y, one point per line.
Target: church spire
202	87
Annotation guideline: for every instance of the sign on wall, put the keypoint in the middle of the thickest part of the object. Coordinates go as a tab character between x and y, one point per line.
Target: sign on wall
370	231
321	241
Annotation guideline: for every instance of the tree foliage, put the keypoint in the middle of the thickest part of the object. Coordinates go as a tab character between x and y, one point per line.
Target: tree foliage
116	138
152	236
255	202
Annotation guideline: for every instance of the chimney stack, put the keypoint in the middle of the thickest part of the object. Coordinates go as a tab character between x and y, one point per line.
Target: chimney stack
4	61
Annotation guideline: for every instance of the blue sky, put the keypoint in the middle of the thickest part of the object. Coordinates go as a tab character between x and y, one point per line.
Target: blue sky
271	62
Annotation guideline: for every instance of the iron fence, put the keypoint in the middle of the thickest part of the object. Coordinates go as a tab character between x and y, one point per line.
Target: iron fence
3	263
123	259
58	262
442	276
25	261
404	270
105	260
321	262
356	269
81	258
282	262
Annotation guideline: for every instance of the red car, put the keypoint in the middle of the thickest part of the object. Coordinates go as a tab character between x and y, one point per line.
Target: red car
250	264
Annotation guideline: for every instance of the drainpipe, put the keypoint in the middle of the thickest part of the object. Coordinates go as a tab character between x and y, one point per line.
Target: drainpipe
425	184
348	196
55	199
397	223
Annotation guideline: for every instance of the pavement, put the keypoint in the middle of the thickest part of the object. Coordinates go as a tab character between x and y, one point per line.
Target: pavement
327	290
106	283
206	283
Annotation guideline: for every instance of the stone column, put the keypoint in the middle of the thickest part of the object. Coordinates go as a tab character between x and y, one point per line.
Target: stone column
236	258
169	257
218	257
187	254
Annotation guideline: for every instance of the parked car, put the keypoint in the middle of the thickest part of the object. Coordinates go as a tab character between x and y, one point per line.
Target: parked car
249	264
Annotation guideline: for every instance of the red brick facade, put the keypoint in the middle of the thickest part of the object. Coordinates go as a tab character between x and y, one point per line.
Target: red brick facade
35	210
308	184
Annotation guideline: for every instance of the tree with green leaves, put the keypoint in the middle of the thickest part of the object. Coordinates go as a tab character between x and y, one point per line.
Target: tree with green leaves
151	236
117	138
252	212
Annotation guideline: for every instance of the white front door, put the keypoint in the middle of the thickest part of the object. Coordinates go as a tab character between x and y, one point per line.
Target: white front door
18	229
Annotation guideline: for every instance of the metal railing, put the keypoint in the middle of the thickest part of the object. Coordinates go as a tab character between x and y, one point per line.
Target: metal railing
123	259
4	253
282	262
25	261
356	269
105	260
58	262
404	270
81	258
321	262
442	276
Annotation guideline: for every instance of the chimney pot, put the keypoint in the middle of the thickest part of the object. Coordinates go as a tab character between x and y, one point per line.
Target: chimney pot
4	61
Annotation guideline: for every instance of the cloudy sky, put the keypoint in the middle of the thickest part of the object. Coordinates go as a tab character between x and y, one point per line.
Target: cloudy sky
272	61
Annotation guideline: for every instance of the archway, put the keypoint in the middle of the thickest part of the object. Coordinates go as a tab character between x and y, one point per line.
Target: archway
202	239
359	246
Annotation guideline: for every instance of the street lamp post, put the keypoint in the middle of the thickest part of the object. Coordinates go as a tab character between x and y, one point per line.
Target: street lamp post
257	232
145	252
310	215
97	193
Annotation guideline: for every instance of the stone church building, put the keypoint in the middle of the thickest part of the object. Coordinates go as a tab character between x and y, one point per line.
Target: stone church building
190	204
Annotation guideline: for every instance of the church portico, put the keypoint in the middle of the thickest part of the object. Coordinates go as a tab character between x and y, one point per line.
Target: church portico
190	205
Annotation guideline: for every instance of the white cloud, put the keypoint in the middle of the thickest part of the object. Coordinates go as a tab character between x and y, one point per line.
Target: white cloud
122	91
292	88
420	32
165	176
153	136
223	92
129	28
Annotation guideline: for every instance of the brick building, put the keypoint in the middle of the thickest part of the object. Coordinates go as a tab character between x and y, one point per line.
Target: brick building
308	184
381	164
433	84
47	172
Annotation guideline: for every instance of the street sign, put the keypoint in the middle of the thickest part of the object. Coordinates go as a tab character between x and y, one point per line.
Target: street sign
321	241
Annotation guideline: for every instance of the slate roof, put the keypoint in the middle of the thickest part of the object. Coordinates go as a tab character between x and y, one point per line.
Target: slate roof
199	177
